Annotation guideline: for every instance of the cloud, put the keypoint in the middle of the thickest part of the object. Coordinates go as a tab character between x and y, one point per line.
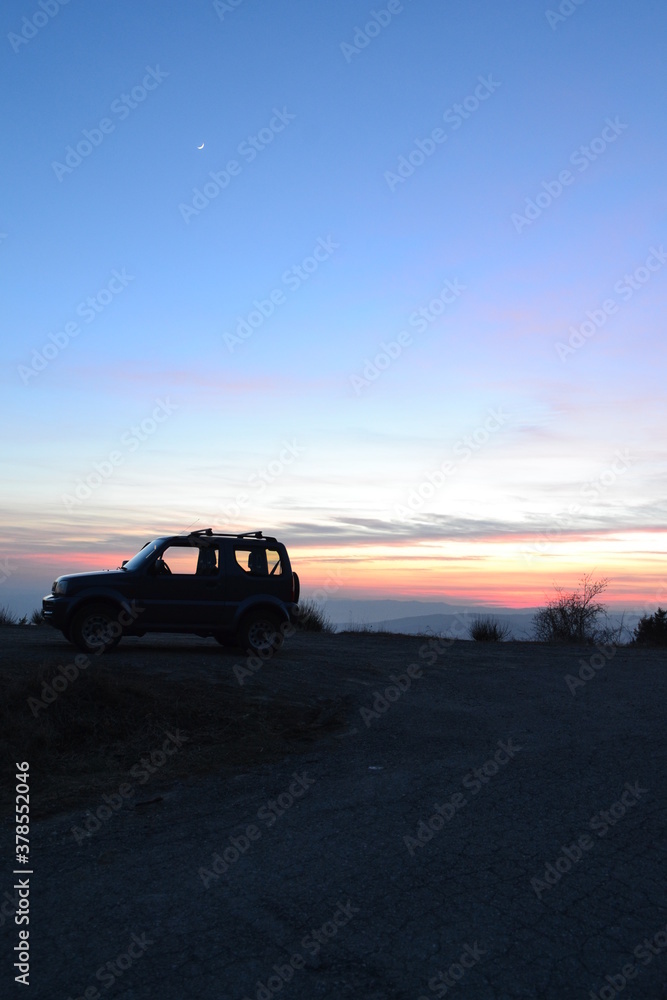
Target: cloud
426	528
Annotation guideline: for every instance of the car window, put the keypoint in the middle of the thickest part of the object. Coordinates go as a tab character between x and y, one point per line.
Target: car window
258	561
274	564
251	560
190	559
143	556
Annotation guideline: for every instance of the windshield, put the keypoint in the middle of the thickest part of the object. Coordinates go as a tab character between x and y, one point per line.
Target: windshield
146	555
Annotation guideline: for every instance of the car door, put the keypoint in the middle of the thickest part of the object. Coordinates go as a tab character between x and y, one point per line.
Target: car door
187	593
255	570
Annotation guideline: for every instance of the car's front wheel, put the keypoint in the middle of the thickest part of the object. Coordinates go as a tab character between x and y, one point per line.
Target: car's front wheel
260	632
95	628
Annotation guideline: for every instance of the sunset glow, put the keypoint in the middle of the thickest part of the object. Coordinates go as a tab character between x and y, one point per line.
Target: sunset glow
416	331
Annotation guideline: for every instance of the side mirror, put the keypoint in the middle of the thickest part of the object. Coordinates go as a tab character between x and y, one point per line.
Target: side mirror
124	563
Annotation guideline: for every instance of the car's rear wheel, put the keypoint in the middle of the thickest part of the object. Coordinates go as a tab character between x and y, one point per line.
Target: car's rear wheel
260	632
95	628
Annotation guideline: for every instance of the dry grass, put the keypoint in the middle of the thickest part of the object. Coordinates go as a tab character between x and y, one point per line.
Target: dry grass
312	618
486	629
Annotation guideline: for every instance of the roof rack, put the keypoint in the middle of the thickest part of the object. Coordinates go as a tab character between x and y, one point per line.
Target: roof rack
228	534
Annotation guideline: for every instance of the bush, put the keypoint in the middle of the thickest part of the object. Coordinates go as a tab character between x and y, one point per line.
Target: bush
37	618
313	619
488	630
651	630
573	617
8	617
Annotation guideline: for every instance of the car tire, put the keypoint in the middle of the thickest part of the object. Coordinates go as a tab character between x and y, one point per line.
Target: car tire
95	628
260	633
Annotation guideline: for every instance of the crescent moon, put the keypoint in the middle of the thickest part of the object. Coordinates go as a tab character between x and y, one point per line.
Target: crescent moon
201	147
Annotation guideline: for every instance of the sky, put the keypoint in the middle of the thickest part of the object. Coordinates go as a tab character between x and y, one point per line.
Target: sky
387	282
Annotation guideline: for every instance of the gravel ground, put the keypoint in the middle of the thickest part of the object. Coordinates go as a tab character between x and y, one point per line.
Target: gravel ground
471	824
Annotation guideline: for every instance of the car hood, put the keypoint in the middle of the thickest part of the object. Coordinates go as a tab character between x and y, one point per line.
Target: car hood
96	575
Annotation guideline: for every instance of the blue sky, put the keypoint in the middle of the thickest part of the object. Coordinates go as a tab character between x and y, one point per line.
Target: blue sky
570	478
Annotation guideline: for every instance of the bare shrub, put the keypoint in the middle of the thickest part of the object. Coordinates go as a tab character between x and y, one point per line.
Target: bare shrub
488	630
575	616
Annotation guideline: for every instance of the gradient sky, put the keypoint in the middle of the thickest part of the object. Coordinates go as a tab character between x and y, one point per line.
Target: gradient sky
500	451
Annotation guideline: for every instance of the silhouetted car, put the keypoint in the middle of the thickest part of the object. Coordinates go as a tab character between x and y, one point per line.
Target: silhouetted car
241	589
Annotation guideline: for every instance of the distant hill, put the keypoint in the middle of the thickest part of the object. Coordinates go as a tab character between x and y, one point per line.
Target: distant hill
344	611
414	617
453	625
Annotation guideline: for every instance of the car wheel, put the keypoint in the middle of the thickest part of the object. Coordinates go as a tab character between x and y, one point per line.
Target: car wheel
95	628
260	632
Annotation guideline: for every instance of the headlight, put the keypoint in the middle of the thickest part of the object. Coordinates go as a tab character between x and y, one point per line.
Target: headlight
60	587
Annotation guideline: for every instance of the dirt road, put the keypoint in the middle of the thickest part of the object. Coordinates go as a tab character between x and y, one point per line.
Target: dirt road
457	821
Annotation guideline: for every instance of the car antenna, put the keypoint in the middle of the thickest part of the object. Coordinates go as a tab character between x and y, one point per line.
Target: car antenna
189	526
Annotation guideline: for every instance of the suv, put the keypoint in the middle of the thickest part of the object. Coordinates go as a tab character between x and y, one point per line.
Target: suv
238	588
